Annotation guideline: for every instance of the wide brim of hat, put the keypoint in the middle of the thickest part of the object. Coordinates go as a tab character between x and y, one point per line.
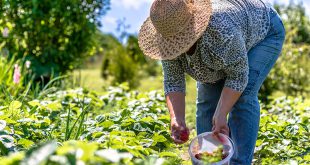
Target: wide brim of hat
156	46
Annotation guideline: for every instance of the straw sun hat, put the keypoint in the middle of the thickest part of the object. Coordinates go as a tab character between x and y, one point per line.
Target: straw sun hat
173	27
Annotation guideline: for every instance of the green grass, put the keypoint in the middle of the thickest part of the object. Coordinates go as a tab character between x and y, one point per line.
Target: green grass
91	79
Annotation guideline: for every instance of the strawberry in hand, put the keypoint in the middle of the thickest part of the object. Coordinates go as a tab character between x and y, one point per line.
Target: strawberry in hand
184	135
179	132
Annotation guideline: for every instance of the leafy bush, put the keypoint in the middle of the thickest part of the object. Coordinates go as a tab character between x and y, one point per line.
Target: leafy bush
290	73
284	133
74	152
137	124
296	21
120	66
13	75
134	125
126	63
54	35
149	67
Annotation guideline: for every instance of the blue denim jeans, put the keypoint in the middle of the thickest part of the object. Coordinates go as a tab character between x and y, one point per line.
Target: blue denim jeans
244	118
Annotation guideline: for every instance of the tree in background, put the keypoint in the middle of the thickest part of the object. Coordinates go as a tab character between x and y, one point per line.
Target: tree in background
296	22
55	35
125	62
149	67
290	75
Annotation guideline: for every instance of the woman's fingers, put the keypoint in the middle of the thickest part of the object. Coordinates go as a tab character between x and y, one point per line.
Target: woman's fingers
220	125
217	130
177	141
179	134
224	130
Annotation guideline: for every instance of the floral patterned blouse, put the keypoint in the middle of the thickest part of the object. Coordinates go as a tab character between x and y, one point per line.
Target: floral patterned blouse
221	53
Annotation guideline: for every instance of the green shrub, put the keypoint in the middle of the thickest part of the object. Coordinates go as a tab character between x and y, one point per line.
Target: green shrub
295	19
137	124
13	75
54	35
126	63
120	66
290	73
284	132
148	66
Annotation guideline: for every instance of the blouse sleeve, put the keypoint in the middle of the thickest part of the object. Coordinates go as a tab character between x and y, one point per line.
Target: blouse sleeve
174	76
236	65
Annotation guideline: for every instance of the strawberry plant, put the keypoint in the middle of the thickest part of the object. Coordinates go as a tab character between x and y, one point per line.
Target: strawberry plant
137	126
284	132
127	127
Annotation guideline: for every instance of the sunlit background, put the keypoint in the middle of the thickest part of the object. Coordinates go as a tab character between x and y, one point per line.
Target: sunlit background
134	12
72	73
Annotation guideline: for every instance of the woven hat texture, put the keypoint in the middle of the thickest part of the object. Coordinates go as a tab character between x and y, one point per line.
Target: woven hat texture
173	27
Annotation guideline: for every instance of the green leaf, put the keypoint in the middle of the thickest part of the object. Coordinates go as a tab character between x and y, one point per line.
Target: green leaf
138	127
34	103
54	106
3	149
15	105
115	118
40	154
97	134
127	122
168	154
25	143
107	124
147	119
2	124
159	138
7	140
142	134
125	113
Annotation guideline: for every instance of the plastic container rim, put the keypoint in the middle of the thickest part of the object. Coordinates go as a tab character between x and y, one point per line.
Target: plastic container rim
208	133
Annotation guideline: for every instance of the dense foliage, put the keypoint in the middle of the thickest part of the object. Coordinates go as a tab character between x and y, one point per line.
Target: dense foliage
54	35
13	75
138	124
284	132
126	63
54	125
296	21
82	126
290	74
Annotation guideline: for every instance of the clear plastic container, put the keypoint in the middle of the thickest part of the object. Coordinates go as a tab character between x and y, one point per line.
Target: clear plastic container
207	142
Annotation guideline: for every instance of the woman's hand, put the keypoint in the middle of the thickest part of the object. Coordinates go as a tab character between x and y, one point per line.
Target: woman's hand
179	131
228	99
220	124
176	106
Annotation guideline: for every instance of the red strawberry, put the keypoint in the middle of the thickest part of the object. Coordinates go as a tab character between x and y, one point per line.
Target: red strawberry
224	156
184	135
198	156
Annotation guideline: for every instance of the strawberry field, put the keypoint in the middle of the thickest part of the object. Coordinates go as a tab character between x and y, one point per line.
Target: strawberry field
72	94
127	127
